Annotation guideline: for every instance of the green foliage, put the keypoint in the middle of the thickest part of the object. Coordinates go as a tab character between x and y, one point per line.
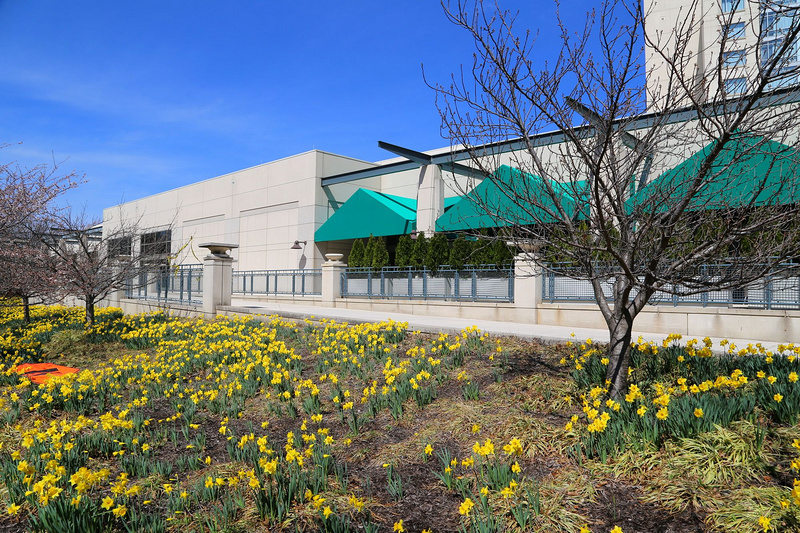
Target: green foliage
394	483
500	254
380	255
420	251
480	253
461	252
710	392
369	252
356	258
403	253
438	252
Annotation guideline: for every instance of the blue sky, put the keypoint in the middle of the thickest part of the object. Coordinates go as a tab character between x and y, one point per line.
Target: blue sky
147	96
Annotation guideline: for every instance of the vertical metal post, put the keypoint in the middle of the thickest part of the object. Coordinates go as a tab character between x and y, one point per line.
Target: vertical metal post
704	296
456	288
383	284
424	283
181	273
511	285
474	290
294	290
411	284
768	291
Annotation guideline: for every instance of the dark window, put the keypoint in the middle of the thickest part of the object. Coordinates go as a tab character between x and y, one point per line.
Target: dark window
119	246
156	243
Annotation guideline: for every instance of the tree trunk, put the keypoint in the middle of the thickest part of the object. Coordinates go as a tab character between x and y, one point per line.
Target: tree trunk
620	330
89	313
26	309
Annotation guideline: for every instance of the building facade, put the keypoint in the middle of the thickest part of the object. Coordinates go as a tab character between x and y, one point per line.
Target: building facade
717	47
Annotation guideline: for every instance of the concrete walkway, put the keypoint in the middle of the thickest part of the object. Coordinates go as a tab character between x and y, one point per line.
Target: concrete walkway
435	324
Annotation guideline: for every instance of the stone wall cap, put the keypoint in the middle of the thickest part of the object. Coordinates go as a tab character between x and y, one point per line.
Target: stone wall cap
218	248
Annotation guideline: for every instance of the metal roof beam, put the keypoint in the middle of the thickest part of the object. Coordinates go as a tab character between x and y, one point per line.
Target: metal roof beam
646	120
411	155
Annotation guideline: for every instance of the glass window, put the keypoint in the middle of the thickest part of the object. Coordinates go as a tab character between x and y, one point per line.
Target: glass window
734	30
770	48
731	5
119	246
156	243
776	24
734	58
735	85
784	78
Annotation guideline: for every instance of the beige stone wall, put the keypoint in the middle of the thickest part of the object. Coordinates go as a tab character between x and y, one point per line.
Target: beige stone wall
702	21
691	322
263	209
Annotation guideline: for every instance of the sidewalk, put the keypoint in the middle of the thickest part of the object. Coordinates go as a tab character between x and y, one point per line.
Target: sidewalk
434	324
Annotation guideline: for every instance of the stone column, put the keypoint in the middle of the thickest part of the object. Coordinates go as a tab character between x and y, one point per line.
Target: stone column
528	283
332	278
430	199
119	267
217	277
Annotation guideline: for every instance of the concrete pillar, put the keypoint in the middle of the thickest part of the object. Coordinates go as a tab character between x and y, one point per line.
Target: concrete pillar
528	283
217	277
430	199
119	267
332	278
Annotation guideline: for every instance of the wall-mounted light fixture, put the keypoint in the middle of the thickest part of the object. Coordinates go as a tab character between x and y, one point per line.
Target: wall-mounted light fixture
296	245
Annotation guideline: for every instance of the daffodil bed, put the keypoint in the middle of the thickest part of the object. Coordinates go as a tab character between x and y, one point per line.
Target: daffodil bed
263	424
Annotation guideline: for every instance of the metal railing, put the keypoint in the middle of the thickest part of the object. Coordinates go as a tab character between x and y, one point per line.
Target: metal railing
165	283
560	283
307	282
485	283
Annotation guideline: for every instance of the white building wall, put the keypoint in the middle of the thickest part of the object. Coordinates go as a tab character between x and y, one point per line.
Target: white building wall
703	21
263	209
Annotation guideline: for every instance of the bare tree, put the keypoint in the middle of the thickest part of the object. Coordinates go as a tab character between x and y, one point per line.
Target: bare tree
637	185
94	262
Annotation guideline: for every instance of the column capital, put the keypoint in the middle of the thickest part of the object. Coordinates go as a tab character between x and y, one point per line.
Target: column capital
218	249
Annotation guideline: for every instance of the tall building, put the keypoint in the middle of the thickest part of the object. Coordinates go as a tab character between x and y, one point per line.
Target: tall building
717	47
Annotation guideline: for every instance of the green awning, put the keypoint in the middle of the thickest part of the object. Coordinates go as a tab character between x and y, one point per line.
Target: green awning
749	171
510	197
372	213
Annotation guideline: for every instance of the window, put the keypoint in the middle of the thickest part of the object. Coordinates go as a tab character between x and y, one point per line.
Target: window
734	58
734	30
731	5
119	246
774	24
784	78
735	85
156	243
770	49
